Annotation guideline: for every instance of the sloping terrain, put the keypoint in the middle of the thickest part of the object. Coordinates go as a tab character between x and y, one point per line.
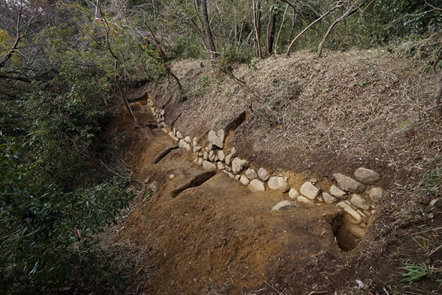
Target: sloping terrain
195	231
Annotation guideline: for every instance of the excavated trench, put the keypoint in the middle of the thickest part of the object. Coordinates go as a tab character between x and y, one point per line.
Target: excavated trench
205	226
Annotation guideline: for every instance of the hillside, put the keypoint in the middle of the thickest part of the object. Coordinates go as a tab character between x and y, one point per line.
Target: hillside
192	229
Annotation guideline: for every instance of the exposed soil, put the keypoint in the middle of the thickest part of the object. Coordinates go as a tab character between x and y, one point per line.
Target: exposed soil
197	232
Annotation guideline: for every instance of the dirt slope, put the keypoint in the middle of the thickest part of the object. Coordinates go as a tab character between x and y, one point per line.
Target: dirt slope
204	233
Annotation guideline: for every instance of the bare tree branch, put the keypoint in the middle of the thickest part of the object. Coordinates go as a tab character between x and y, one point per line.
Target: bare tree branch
436	8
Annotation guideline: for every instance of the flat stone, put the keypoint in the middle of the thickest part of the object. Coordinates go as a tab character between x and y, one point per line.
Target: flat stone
220	165
309	190
359	202
283	204
209	166
367	176
256	186
179	135
238	165
211	156
251	173
304	200
347	208
214	139
237	177
293	193
278	183
337	192
329	199
349	184
221	155
376	194
244	180
263	174
356	230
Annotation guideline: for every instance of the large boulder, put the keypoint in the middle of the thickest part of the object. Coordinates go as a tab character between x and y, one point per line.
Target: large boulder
367	176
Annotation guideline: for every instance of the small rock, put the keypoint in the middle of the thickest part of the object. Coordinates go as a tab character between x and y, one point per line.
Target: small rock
278	183
244	180
237	177
329	199
349	184
171	135
182	144
256	186
221	134
251	173
337	192
221	155
356	230
209	166
197	149
282	204
195	141
188	148
215	139
206	156
347	208
263	174
376	194
238	165
293	193
233	152
187	139
228	159
220	165
304	200
211	156
200	161
367	176
309	190
179	135
171	176
359	202
313	180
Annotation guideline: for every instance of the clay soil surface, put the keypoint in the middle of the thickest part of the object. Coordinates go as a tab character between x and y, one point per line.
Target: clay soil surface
190	231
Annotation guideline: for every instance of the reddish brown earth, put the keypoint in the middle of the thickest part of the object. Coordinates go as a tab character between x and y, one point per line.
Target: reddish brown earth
204	233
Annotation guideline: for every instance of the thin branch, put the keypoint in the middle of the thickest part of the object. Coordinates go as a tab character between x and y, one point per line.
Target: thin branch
436	8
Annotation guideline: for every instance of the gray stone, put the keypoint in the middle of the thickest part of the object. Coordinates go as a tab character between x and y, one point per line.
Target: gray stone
337	192
197	149
206	156
304	200
221	155
171	135
263	174
356	230
329	199
182	144
367	176
278	183
221	134
233	151
238	165
187	139
209	166
347	208
211	156
228	159
179	135
220	165
376	194
349	184
293	193
359	202
215	139
195	141
251	173
309	190
244	180
188	148
237	177
283	204
200	161
256	186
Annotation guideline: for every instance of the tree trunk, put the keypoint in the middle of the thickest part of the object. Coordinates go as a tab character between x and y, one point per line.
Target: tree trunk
206	24
271	29
438	93
257	27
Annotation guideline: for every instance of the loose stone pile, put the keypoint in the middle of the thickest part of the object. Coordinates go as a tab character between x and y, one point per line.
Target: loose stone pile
357	197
